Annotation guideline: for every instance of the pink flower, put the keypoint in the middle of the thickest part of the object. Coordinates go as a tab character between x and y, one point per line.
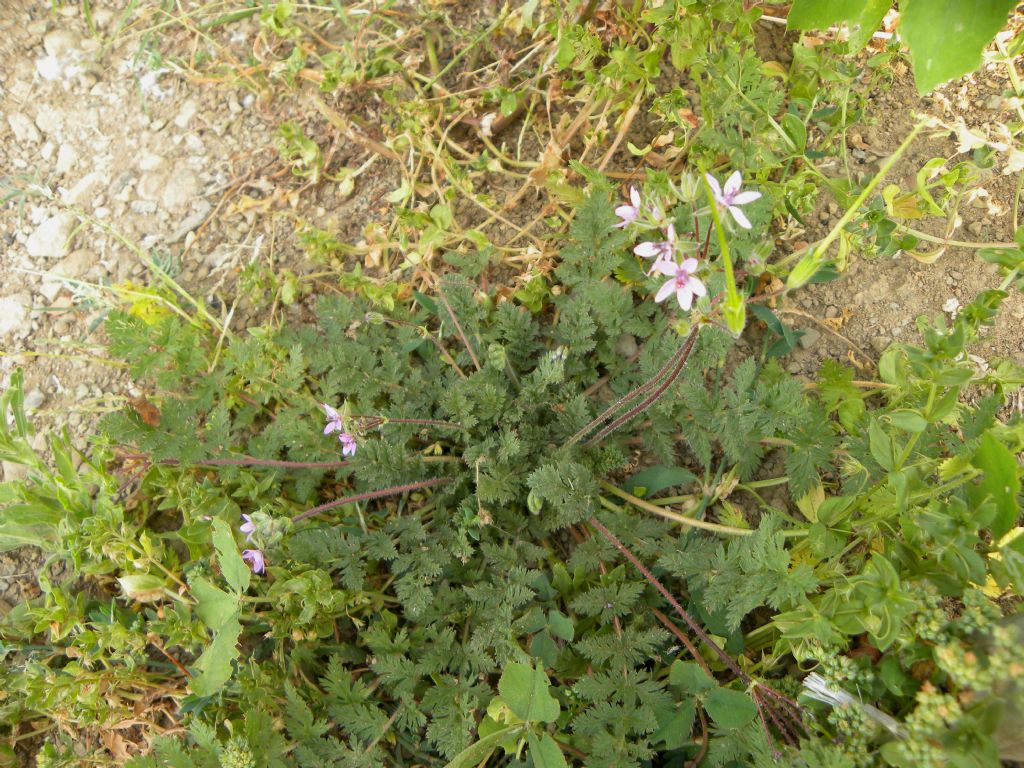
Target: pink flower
629	213
731	198
683	284
248	527
348	444
660	251
333	420
256	560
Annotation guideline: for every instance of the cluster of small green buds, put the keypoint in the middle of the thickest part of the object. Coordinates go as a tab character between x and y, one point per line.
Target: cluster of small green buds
236	754
930	621
978	612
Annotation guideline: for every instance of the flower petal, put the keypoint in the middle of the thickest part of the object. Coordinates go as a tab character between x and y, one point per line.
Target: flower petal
332	426
685	296
733	184
665	267
648	250
665	291
634	196
689	265
740	217
331	413
697	286
716	188
745	197
670	233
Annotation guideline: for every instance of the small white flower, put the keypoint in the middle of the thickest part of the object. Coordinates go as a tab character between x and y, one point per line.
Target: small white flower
730	197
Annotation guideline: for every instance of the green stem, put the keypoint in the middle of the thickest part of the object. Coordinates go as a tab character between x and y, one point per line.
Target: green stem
807	266
955	243
734	311
673	516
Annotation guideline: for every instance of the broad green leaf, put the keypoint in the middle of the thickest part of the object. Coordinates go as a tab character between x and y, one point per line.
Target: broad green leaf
235	571
908	421
658	478
795	129
477	753
675	731
861	16
881	445
1001	482
143	587
946	37
561	626
730	709
689	677
545	752
29	524
215	663
525	690
214	606
543	647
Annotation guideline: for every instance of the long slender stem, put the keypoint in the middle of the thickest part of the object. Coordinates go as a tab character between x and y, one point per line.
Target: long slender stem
807	266
458	327
681	358
370	495
250	461
629	396
955	243
653	581
674	516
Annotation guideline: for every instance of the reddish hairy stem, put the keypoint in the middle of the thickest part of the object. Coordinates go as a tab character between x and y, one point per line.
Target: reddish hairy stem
758	689
394	490
641	390
653	581
671	627
682	355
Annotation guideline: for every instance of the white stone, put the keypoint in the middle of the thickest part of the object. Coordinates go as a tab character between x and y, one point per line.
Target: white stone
24	130
60	42
13	472
186	113
182	188
49	121
14	312
151	185
67	156
85	191
149	161
50	239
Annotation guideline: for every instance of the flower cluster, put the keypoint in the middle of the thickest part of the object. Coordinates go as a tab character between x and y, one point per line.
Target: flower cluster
667	252
334	424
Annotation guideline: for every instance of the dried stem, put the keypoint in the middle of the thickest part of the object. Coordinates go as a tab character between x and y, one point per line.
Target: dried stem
394	490
458	328
249	461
